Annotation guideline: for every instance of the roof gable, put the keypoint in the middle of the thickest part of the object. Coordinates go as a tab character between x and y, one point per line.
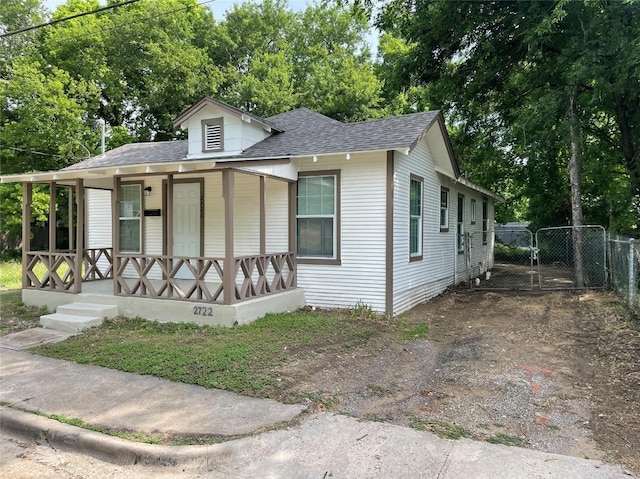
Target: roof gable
208	101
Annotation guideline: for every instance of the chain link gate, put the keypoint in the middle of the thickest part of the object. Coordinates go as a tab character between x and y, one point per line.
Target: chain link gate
558	266
500	260
508	259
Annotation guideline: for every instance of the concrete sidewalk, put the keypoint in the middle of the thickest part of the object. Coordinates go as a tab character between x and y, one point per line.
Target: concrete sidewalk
323	445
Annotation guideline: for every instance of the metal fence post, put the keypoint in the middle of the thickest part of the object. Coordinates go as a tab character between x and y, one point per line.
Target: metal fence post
632	286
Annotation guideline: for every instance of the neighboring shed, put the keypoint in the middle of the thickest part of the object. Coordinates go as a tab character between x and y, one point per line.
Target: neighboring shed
251	215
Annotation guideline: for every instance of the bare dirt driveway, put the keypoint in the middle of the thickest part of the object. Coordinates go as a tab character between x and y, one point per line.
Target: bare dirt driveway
558	372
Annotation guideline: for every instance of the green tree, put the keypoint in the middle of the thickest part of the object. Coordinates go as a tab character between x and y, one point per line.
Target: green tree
43	126
14	15
147	60
548	82
274	59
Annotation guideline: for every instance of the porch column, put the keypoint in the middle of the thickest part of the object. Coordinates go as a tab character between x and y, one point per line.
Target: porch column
263	214
79	231
169	216
52	219
229	279
292	227
115	235
71	219
27	195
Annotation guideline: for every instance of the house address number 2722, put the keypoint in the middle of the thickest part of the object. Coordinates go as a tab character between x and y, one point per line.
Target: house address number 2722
203	311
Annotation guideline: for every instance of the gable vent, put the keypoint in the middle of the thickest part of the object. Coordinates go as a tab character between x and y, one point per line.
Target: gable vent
212	135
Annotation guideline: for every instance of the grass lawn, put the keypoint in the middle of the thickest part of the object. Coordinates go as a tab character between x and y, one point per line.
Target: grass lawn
10	275
245	359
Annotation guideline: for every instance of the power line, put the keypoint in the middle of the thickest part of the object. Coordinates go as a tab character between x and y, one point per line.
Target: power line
117	26
53	22
34	152
138	20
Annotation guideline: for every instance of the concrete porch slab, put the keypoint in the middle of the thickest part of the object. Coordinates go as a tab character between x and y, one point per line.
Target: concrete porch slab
168	310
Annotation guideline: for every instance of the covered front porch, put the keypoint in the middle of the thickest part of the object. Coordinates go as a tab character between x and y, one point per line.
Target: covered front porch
237	271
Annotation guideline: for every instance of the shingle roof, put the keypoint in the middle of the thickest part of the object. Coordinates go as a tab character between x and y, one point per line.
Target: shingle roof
137	153
302	132
309	133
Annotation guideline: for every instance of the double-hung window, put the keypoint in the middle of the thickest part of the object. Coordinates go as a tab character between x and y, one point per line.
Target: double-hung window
131	218
460	227
444	209
317	216
415	218
485	220
473	212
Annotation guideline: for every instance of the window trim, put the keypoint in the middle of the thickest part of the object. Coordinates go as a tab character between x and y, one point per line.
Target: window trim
444	228
473	211
212	122
336	260
419	255
460	224
140	184
485	220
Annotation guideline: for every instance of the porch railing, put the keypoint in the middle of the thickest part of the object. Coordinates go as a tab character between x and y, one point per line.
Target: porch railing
50	270
97	264
202	278
170	277
58	271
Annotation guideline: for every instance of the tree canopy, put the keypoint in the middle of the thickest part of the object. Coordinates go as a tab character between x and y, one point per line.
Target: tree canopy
542	98
517	80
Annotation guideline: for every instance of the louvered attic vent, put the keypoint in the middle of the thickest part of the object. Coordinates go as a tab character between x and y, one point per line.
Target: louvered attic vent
212	135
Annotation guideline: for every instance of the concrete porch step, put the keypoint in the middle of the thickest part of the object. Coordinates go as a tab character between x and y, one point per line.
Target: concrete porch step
69	323
89	309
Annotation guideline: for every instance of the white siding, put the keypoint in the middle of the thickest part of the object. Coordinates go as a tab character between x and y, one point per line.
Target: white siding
277	216
415	282
213	216
98	215
153	224
246	215
238	134
478	249
361	276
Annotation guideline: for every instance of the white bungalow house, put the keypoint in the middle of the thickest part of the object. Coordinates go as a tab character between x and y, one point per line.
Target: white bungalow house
252	215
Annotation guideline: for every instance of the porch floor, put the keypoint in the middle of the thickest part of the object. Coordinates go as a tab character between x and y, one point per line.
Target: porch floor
170	310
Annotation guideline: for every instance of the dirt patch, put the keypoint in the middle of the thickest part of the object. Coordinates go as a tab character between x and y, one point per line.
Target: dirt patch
15	315
557	371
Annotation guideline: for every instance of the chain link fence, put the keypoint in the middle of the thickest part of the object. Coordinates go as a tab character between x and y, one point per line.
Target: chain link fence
624	261
559	263
510	259
506	265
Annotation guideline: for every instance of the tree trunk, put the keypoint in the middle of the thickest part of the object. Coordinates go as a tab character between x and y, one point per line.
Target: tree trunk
631	155
577	218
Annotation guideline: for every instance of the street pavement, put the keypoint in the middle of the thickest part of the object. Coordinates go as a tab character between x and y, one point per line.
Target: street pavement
262	438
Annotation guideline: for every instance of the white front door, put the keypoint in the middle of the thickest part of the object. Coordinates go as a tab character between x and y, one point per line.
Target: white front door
186	223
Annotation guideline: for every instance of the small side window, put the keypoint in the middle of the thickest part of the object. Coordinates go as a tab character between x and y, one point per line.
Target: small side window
444	210
415	218
473	212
